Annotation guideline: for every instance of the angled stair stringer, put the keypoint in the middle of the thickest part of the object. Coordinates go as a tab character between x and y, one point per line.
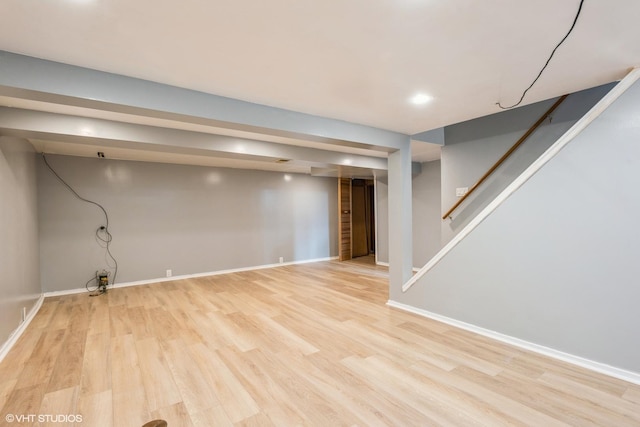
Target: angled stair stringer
552	261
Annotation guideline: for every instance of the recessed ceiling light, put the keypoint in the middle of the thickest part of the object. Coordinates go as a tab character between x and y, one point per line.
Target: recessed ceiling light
420	99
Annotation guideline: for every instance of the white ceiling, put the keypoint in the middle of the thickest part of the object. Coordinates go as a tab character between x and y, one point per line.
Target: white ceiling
354	60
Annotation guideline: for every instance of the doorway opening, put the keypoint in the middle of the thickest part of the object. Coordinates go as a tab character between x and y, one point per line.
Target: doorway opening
357	219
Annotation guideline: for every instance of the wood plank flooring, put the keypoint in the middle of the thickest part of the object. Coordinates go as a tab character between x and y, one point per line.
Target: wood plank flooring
311	344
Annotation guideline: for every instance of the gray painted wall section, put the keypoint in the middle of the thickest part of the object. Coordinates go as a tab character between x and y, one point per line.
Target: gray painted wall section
557	263
472	147
400	219
433	136
19	273
382	220
426	215
185	218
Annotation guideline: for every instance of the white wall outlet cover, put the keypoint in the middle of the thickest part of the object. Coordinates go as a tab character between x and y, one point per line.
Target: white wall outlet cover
169	273
461	191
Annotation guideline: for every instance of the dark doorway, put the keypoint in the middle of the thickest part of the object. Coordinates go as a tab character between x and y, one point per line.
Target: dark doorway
363	240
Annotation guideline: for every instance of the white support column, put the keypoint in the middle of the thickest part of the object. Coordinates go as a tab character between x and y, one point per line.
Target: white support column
400	221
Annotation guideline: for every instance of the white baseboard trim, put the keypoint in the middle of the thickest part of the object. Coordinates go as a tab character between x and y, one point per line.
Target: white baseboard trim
65	292
386	264
190	276
612	371
13	338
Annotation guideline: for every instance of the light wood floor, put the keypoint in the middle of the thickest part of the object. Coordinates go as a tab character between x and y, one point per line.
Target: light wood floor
297	345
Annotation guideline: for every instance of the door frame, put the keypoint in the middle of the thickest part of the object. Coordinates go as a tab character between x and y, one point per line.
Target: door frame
345	218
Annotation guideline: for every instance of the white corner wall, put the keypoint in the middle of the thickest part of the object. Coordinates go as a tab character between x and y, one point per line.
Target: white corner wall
556	264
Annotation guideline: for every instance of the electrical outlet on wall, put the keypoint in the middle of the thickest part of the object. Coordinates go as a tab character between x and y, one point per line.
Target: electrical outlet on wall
461	191
169	273
281	260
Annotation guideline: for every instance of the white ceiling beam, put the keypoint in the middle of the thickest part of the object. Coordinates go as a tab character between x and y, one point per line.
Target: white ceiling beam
92	131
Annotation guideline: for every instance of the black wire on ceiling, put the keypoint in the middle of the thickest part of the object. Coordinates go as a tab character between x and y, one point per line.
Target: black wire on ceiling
102	233
546	63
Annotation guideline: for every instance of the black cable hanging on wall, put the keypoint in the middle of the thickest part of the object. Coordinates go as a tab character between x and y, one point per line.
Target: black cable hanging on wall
546	63
102	233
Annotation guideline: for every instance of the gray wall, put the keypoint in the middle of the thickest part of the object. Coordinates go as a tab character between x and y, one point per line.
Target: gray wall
19	273
472	147
382	220
557	263
185	218
426	214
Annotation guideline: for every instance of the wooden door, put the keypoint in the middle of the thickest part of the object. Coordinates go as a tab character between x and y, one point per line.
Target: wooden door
344	218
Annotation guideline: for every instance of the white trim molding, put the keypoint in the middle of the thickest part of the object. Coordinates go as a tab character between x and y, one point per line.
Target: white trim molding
612	371
13	338
190	276
386	264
